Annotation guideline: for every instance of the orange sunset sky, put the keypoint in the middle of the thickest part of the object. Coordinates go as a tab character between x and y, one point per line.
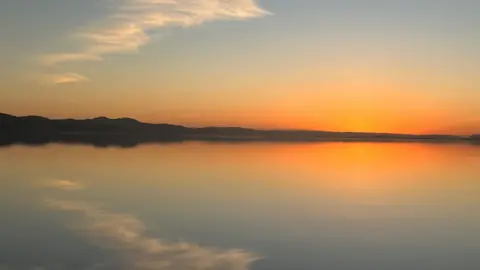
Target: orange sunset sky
391	66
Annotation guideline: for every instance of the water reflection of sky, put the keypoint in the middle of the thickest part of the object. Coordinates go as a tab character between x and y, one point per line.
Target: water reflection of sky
219	206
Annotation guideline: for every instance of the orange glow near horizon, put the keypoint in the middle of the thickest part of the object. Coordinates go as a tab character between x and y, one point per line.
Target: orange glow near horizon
357	105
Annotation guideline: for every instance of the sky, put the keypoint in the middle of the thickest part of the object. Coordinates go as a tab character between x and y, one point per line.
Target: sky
345	65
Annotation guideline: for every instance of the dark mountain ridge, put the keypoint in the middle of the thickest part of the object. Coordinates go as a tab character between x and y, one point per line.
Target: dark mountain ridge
33	129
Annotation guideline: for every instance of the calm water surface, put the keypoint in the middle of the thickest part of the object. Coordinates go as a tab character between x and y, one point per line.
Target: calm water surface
260	206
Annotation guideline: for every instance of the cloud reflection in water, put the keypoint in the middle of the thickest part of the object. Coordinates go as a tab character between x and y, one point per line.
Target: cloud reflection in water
125	235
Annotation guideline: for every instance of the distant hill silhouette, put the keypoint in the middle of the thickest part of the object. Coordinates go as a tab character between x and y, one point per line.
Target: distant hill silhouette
103	131
465	127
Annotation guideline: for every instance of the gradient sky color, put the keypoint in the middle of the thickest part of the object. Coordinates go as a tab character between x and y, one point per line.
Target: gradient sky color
359	65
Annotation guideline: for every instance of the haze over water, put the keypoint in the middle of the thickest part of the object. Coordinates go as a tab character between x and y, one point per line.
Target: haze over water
260	206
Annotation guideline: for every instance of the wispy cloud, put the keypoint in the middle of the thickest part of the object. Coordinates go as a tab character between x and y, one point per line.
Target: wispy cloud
65	185
125	235
53	59
62	78
131	26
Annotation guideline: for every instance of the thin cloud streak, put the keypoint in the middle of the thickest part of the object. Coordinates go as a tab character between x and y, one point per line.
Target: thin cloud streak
65	185
131	27
53	59
63	78
125	235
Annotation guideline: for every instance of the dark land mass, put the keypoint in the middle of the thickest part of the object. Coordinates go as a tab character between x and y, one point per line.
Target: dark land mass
127	132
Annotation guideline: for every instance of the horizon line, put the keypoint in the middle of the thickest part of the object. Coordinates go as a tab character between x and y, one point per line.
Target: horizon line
248	128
